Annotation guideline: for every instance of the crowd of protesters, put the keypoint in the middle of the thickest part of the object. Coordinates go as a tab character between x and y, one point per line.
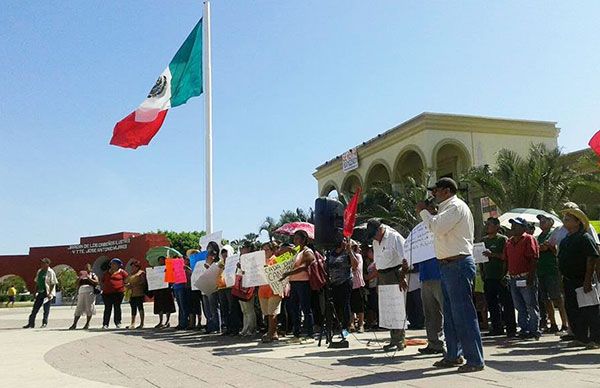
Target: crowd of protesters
534	276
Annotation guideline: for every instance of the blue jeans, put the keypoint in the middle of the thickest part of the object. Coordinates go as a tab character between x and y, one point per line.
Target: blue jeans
461	327
300	300
210	307
37	304
525	300
182	296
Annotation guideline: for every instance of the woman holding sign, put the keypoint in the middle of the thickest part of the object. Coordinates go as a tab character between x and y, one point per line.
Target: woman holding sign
136	282
164	303
270	303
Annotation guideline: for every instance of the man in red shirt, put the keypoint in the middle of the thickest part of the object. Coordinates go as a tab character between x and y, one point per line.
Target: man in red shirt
521	253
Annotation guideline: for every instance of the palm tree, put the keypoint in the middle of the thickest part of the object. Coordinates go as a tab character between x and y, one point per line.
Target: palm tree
542	180
395	207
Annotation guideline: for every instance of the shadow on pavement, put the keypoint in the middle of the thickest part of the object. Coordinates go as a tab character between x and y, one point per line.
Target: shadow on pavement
386	377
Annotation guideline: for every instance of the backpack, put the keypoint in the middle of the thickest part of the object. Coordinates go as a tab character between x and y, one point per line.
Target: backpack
317	277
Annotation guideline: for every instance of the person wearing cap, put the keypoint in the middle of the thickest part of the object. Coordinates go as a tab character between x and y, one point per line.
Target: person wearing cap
549	278
388	254
113	290
45	281
453	230
497	293
521	253
577	259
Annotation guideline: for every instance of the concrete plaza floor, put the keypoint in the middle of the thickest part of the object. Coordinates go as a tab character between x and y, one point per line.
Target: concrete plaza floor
55	356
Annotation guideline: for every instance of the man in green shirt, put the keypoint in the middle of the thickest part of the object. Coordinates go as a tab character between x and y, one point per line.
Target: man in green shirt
45	287
497	294
549	277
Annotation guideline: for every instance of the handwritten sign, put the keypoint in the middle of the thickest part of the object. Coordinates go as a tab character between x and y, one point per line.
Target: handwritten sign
418	246
196	272
253	265
478	249
287	255
216	237
207	281
274	273
392	310
230	268
156	278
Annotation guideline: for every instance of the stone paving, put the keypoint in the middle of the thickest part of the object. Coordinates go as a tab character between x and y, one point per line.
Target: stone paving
167	358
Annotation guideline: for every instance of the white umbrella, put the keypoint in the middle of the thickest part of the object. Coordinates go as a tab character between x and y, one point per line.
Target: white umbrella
529	215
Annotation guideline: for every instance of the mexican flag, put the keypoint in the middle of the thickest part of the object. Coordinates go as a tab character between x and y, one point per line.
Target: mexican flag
180	81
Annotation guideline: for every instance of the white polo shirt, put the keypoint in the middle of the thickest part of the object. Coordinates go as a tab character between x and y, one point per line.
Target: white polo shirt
389	252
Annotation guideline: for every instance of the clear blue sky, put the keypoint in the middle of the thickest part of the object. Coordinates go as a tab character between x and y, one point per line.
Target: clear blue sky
295	83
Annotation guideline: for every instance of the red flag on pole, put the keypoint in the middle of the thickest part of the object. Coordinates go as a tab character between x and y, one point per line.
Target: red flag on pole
350	214
595	143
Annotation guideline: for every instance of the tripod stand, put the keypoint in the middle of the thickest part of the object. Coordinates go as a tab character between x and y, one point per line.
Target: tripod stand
330	318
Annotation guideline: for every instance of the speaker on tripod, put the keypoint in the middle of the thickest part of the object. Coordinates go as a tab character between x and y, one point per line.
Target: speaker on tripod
329	222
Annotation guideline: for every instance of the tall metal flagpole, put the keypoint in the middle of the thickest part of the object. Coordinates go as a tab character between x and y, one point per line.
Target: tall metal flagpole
208	115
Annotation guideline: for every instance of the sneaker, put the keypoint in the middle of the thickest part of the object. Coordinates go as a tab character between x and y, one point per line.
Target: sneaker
361	329
345	334
393	347
44	325
445	363
105	327
295	341
308	340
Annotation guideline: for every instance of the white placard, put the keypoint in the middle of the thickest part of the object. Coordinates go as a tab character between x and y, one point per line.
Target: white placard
198	270
253	265
216	237
478	249
418	246
392	310
207	281
230	269
591	298
156	278
274	273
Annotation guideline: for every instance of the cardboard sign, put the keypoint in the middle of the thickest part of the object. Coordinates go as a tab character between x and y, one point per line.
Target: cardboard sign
418	246
392	309
156	278
478	249
216	237
287	256
253	265
207	281
230	269
274	273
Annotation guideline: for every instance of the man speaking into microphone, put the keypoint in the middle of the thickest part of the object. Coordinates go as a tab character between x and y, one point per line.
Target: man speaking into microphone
453	230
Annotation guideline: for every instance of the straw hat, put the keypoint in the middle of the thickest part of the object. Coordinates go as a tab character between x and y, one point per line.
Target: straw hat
580	215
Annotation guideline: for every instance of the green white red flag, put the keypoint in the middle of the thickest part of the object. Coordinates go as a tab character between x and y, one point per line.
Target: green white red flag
179	82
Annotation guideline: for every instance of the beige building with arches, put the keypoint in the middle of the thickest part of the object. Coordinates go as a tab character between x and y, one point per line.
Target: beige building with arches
433	145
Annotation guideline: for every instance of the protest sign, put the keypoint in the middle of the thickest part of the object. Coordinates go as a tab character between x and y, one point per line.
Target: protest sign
418	246
392	310
230	268
253	265
216	237
275	272
207	281
174	271
478	249
196	272
196	257
156	278
287	255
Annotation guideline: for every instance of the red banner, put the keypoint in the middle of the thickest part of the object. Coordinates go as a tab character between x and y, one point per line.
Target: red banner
350	214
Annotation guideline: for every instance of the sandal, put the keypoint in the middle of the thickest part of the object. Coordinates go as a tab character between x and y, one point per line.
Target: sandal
445	363
470	368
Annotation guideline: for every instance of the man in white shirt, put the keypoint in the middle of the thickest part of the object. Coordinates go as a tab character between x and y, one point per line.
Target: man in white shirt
453	230
388	255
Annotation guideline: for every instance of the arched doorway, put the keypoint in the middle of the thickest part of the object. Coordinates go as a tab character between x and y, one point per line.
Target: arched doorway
451	160
67	282
409	164
16	281
377	174
351	184
330	190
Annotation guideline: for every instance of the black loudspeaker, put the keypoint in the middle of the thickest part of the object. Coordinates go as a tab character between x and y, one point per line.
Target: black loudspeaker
329	222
